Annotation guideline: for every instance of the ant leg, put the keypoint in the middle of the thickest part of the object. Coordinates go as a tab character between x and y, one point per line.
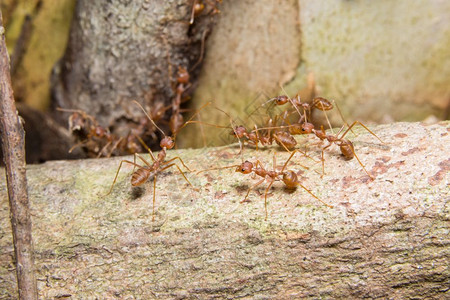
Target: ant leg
205	123
202	130
357	158
251	188
290	100
265	197
292	154
143	159
202	51
146	147
357	122
330	206
191	20
112	149
220	168
282	144
306	155
154	198
77	145
323	159
117	173
287	161
197	112
181	172
328	121
179	158
342	116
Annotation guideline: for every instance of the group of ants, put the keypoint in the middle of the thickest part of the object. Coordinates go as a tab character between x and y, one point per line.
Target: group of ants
281	129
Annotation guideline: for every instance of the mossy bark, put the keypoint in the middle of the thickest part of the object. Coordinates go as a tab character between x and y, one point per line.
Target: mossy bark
386	238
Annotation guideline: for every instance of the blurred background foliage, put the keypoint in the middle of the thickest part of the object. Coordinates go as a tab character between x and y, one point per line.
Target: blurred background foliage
36	36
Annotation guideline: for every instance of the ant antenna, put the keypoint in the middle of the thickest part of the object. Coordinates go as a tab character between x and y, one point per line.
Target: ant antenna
263	104
193	116
151	120
233	126
290	100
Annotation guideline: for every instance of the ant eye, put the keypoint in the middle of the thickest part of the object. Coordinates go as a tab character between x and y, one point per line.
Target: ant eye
243	170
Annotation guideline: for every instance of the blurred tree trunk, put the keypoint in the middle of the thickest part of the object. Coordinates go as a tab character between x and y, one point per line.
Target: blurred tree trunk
120	50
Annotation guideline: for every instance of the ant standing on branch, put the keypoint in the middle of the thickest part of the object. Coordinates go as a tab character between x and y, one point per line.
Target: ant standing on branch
288	177
159	163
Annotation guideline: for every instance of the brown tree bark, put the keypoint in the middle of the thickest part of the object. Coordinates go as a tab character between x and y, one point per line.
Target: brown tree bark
13	148
119	51
387	238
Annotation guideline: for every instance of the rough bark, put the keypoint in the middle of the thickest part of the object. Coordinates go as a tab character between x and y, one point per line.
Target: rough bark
387	238
13	148
124	50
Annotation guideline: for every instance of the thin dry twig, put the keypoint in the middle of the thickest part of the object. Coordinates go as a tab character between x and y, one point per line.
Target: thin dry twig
13	146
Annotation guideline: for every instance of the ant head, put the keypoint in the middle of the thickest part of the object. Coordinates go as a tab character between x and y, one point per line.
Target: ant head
245	168
307	127
167	142
280	100
76	122
239	131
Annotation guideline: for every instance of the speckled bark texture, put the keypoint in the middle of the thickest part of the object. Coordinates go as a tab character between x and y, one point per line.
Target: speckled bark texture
387	238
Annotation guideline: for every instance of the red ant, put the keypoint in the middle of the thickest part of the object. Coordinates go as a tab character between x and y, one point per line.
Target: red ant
150	170
345	145
92	135
198	7
318	103
176	120
289	177
282	138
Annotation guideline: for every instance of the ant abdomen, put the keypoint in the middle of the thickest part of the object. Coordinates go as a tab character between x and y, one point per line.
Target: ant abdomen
283	138
290	179
322	104
140	176
347	149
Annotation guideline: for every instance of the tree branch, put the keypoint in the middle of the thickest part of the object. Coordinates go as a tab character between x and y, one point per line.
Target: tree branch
13	145
386	238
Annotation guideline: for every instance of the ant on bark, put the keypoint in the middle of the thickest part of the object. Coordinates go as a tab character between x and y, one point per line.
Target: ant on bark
252	137
94	138
198	6
345	145
159	164
97	140
288	177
